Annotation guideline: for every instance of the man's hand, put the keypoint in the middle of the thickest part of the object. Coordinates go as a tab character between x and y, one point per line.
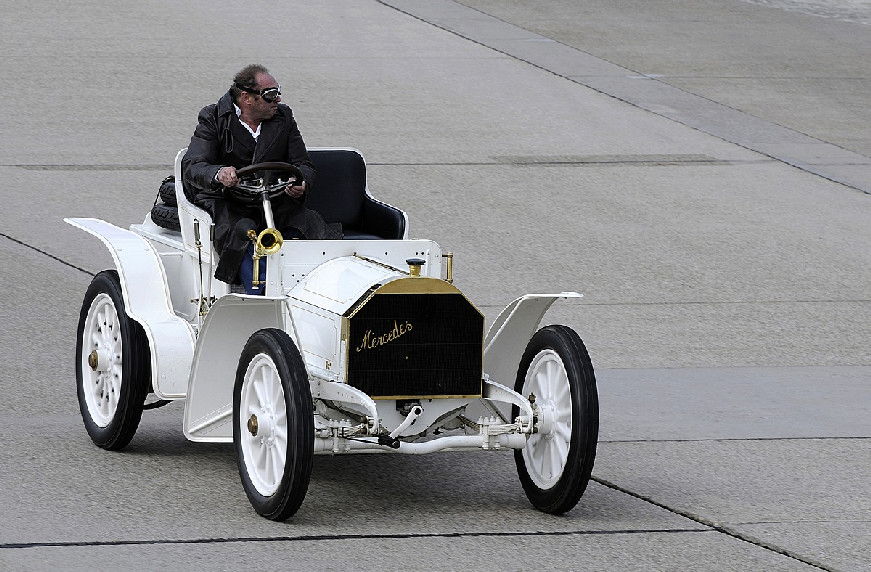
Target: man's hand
227	176
295	191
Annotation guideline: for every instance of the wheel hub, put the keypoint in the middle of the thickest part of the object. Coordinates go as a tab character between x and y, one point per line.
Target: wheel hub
98	360
263	426
546	416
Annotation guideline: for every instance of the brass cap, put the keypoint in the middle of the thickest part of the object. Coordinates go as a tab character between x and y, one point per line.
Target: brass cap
414	265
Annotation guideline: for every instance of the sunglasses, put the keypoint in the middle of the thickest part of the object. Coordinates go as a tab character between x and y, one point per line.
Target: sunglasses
269	95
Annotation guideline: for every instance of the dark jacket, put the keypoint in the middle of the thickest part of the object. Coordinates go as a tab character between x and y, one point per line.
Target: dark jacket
221	140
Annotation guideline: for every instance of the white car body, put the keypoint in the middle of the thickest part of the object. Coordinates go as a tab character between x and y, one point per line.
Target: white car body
197	327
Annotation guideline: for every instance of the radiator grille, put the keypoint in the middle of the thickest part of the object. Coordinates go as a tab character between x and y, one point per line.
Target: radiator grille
416	345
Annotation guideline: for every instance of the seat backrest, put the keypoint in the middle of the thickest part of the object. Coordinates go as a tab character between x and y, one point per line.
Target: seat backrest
340	185
188	213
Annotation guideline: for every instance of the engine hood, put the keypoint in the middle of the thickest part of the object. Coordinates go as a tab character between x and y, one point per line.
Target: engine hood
336	285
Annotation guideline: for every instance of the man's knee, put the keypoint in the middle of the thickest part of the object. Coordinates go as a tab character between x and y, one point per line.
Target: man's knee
241	228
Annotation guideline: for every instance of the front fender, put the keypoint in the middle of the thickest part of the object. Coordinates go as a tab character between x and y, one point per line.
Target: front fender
506	339
228	325
147	301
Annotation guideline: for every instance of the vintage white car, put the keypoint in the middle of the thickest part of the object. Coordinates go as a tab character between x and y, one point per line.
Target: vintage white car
357	345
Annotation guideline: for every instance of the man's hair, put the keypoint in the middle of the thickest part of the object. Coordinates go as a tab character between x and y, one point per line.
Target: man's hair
247	77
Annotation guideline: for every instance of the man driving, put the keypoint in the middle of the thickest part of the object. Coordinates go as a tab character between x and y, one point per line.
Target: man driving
249	125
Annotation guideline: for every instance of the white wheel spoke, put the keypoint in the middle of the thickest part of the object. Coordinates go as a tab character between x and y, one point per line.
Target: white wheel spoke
280	428
281	415
112	402
562	393
563	433
261	454
557	459
257	384
538	450
551	378
542	383
269	471
561	450
277	463
563	413
281	452
547	463
276	398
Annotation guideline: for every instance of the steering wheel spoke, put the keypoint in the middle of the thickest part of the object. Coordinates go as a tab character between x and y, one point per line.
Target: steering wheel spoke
256	179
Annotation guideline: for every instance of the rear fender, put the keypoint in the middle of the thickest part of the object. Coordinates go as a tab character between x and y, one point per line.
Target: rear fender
230	322
506	339
147	301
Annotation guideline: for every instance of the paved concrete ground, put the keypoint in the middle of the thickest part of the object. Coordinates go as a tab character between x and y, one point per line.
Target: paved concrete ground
699	170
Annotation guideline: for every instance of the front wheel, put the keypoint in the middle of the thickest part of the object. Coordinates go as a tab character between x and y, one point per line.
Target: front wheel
273	424
556	463
113	365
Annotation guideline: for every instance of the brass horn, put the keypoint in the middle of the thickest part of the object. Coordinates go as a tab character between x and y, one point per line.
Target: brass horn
268	242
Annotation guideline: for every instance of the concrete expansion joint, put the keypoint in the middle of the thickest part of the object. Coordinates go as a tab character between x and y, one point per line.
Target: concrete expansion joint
715	526
43	252
709	116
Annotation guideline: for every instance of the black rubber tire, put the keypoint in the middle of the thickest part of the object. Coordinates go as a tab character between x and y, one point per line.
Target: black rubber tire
135	370
568	489
293	485
167	191
165	216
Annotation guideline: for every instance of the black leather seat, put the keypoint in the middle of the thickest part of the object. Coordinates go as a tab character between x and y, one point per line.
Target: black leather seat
340	196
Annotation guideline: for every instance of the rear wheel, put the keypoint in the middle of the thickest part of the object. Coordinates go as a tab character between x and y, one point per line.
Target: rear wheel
273	424
113	366
556	463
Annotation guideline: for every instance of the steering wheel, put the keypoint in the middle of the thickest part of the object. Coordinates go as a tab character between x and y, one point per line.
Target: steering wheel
256	179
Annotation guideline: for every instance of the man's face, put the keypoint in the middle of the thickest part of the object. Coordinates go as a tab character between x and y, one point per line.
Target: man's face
259	108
